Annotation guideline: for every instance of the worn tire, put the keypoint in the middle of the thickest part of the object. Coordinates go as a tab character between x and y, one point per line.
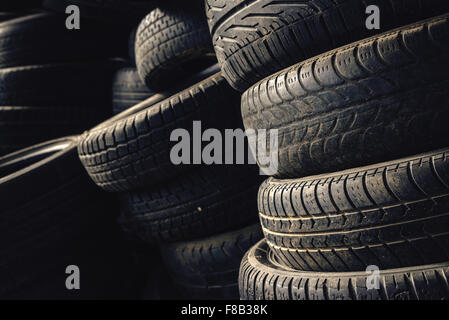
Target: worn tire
261	278
392	215
128	90
171	44
375	100
50	216
42	38
256	38
135	151
207	269
200	203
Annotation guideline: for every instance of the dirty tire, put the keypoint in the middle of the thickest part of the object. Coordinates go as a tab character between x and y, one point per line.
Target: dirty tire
55	224
207	269
128	90
135	151
261	278
171	44
41	38
375	100
256	38
392	215
197	204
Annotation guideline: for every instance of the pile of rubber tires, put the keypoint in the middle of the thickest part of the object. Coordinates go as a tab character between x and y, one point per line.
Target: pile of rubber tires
358	207
342	217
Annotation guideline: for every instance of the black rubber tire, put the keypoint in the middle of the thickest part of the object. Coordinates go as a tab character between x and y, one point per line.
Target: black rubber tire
207	269
375	100
261	278
392	215
42	38
51	213
122	12
128	90
21	127
208	200
171	44
86	84
256	38
135	152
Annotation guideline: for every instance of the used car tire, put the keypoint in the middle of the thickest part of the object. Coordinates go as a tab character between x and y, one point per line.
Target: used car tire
41	38
199	203
50	216
392	214
172	43
256	38
134	152
375	100
261	278
128	90
207	269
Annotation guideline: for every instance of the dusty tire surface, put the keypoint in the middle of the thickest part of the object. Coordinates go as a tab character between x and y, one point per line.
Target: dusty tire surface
207	200
171	44
256	38
135	151
261	278
392	215
128	90
375	100
208	268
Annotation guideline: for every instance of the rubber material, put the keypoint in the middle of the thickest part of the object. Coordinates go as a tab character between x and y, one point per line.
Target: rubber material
128	90
207	269
261	278
393	214
171	44
51	213
134	152
256	38
41	38
375	100
208	200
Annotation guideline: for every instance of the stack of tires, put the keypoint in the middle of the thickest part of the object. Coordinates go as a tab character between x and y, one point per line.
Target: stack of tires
59	234
202	217
343	219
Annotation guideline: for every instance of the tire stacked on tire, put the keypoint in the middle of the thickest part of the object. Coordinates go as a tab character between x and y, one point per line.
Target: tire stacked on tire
57	226
54	81
202	217
343	116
